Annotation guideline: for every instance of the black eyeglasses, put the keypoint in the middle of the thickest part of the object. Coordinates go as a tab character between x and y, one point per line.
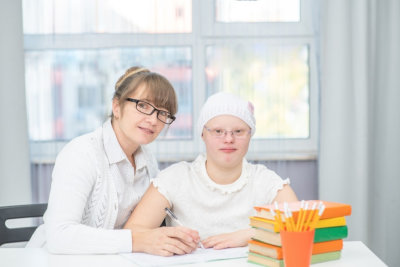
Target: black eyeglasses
148	109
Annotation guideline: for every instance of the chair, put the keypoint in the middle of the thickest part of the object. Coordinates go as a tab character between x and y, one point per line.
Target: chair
12	235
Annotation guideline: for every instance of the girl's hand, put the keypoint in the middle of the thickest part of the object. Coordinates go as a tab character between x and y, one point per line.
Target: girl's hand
229	240
165	241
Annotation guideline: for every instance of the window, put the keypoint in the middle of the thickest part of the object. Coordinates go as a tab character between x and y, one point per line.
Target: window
69	91
107	16
257	11
275	77
263	50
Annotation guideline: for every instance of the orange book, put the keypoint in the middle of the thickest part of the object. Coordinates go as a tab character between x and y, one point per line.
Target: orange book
276	252
265	249
272	225
332	209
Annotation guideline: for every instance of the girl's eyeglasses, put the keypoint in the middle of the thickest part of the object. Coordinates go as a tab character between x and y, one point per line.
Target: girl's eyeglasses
220	133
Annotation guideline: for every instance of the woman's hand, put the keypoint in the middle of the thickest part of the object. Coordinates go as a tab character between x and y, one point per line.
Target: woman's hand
165	241
229	240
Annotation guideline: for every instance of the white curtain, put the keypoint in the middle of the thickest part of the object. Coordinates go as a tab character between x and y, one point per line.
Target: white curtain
359	160
15	187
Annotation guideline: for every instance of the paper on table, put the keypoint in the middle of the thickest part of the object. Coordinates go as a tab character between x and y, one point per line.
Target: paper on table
199	255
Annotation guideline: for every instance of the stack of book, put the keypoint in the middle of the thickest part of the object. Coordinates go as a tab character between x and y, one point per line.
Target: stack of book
265	248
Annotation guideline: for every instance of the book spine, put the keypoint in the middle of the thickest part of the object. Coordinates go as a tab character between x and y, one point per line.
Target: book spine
330	233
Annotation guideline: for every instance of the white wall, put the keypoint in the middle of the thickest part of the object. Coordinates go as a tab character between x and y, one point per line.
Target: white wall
15	185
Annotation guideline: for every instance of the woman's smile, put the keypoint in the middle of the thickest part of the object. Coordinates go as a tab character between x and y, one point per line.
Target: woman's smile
146	130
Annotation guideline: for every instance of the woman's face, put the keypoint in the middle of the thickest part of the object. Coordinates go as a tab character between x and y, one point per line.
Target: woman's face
132	127
226	150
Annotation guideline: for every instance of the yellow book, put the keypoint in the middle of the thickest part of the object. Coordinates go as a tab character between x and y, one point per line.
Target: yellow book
266	224
272	225
332	222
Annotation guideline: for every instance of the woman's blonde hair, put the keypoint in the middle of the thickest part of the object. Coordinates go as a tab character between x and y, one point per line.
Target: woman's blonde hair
158	89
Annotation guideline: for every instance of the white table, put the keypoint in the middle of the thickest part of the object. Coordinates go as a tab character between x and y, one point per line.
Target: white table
354	253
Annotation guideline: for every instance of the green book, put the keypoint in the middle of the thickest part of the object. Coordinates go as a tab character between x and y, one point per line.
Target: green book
264	260
321	235
330	233
329	256
271	262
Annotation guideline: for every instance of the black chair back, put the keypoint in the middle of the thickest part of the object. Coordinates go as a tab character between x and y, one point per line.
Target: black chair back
12	235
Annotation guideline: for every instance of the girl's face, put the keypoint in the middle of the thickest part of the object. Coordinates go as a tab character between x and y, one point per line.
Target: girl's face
132	127
227	150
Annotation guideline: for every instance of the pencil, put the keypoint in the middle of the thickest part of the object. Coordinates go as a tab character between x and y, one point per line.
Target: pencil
278	217
291	220
173	217
288	219
287	223
301	224
310	216
317	216
300	217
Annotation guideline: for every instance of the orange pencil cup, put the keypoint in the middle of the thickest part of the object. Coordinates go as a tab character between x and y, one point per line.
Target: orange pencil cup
297	248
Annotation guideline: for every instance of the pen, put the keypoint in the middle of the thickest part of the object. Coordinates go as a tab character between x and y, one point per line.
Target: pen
173	217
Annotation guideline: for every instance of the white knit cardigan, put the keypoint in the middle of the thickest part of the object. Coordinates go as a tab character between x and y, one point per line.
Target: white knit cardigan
88	230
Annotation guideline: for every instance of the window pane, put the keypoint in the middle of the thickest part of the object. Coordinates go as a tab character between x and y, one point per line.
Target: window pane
107	16
273	78
69	92
257	10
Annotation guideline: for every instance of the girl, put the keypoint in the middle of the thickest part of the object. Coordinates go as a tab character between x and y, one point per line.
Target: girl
216	193
99	178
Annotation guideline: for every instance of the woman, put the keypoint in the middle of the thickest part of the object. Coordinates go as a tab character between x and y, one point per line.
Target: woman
99	178
216	193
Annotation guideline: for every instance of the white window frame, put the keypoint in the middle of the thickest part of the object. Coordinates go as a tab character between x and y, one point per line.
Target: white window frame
205	31
210	27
